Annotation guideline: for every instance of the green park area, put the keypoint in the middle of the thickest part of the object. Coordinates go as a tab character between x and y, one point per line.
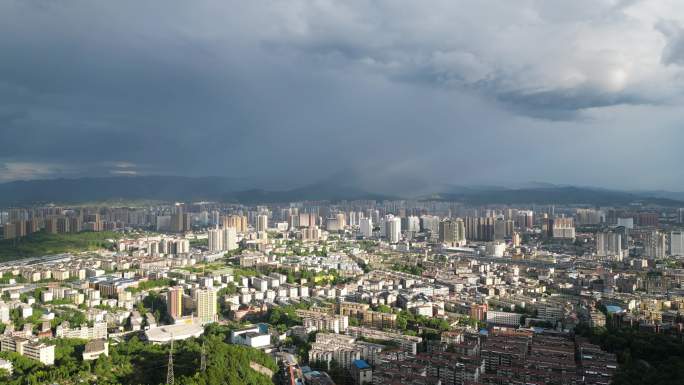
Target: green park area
42	243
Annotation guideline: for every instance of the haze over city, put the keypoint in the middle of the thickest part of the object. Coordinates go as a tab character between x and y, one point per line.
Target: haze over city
286	93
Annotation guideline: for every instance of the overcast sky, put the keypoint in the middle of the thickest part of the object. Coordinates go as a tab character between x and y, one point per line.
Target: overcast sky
585	92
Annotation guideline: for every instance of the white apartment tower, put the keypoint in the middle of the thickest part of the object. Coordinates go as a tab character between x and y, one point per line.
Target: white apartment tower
609	244
366	227
393	228
677	242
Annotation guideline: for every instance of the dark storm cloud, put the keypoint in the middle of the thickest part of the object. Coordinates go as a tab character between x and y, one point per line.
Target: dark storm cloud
673	53
414	92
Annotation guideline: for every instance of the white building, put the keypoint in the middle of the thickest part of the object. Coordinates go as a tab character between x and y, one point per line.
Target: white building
393	228
627	223
164	334
366	227
677	243
503	318
609	244
31	349
413	224
95	348
495	249
40	352
229	238
97	331
656	245
6	366
252	337
215	239
4	312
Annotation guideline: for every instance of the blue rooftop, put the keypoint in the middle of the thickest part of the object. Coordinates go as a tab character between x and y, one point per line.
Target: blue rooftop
613	309
263	327
361	364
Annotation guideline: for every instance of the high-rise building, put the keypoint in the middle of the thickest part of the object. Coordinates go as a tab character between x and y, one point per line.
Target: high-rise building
471	225
525	219
238	222
626	222
589	216
187	222
306	220
75	224
393	228
94	222
229	236
516	239
62	225
562	228
174	302
366	227
214	218
262	222
609	244
452	232
206	305
647	219
429	224
656	245
341	220
153	248
51	225
412	224
180	246
354	218
677	242
333	224
215	239
624	235
311	233
179	219
485	229
500	228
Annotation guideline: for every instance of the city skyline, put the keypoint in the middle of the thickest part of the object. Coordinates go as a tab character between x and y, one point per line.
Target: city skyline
319	192
582	93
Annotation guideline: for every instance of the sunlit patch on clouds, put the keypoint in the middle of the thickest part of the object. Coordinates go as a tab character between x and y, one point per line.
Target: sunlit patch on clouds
542	60
123	168
27	170
123	172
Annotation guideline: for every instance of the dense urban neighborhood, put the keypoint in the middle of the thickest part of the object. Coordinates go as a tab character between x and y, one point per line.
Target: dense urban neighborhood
351	292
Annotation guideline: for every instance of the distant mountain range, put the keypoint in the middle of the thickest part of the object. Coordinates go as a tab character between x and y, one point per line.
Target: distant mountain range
223	189
553	195
163	188
167	188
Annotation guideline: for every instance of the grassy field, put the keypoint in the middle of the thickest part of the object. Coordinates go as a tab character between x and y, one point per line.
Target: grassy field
41	243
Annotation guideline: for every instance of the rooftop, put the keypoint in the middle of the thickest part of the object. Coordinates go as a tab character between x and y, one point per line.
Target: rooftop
176	332
361	364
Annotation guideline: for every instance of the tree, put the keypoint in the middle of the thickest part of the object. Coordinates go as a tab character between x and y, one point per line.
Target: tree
384	309
402	322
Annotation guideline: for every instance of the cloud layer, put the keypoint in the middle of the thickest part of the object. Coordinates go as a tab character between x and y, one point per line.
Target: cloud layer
582	91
